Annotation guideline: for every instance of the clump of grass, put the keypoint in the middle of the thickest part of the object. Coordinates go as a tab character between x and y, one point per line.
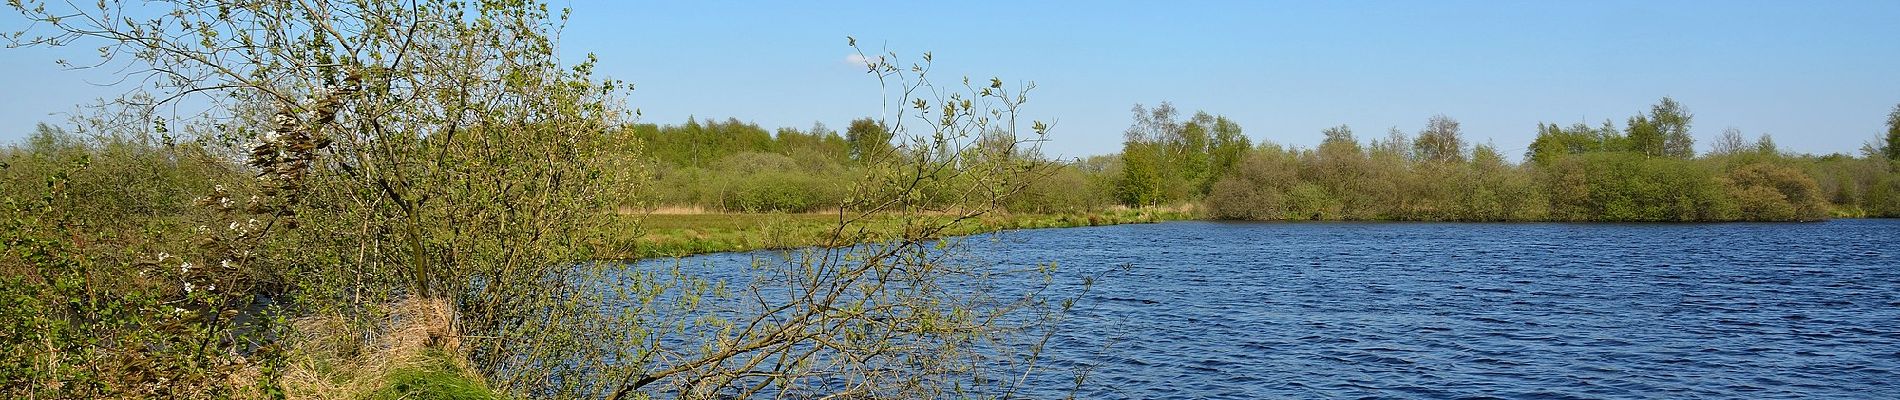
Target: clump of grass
434	377
415	356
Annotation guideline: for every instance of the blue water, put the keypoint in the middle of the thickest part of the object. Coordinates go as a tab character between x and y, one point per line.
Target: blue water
1347	310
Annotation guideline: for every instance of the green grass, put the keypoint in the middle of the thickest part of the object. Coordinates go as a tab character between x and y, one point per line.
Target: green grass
677	235
435	379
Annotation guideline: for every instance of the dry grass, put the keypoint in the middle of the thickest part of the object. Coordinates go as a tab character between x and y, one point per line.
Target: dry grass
328	359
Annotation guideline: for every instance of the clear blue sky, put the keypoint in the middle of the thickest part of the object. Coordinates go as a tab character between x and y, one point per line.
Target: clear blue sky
1820	76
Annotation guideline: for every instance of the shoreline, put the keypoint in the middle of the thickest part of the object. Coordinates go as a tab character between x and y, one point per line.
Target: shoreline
684	234
681	234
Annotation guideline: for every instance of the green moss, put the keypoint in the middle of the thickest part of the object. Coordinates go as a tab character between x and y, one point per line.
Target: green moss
435	379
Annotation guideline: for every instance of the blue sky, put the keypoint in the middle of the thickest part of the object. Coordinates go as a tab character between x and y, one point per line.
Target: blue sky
1820	76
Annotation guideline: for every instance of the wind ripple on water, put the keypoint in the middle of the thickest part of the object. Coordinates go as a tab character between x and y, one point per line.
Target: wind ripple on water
1551	311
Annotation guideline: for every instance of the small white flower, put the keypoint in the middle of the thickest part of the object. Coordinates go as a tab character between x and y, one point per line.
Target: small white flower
234	225
224	202
184	268
162	256
211	288
188	287
226	264
217	188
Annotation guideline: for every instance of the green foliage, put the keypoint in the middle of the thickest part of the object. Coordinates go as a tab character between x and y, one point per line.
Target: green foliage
1617	186
694	144
432	150
436	378
1141	182
868	139
1166	160
1553	141
1576	173
1441	141
1065	190
1892	147
94	307
1258	188
1772	192
1664	132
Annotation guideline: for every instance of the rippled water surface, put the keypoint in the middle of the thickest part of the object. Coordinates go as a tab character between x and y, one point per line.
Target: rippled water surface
1255	310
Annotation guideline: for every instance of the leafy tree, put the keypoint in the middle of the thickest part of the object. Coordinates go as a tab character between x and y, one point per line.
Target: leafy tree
437	151
1141	178
1229	146
1664	132
1765	145
1397	144
1440	141
1674	121
1339	137
1166	160
868	139
1554	141
1193	148
1892	149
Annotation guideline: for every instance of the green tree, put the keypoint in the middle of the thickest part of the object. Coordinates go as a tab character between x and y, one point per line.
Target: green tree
1673	121
1644	136
1194	151
868	139
1892	149
1396	144
1664	132
1140	183
1229	147
1440	141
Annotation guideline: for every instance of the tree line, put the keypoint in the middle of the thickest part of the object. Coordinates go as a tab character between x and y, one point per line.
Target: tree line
1644	169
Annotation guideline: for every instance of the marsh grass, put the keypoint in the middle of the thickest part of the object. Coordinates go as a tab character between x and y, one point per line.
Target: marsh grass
678	235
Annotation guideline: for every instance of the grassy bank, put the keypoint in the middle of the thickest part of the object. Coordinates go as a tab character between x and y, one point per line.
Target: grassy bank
676	235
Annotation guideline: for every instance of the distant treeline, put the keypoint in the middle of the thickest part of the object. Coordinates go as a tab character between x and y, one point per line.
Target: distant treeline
1647	169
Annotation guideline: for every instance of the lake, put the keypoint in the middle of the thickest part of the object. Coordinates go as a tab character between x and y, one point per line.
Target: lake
1417	310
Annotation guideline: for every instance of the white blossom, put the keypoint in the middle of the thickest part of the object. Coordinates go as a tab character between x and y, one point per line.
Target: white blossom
184	268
